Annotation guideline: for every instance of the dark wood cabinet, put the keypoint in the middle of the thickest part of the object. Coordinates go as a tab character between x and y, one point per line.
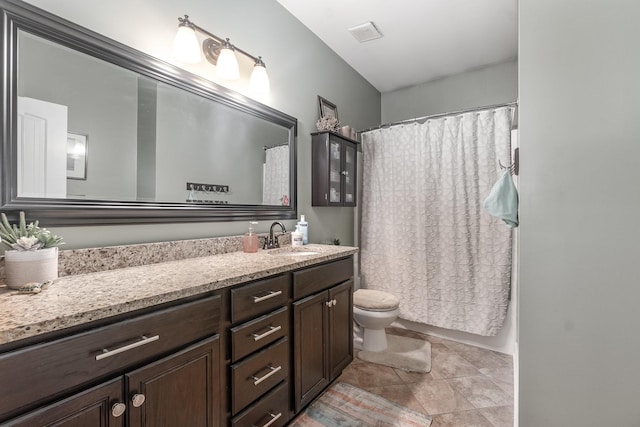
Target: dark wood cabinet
253	354
311	337
260	352
340	328
180	390
100	406
323	334
53	381
333	170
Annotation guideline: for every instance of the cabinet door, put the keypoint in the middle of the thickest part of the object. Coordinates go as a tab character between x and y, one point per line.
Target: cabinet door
340	328
349	173
310	348
95	407
179	390
335	172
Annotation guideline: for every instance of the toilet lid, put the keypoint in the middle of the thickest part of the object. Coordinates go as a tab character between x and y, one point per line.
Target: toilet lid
370	299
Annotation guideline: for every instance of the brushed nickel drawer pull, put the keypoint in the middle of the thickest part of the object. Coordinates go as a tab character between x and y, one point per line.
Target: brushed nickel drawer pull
271	330
271	294
273	419
271	372
145	340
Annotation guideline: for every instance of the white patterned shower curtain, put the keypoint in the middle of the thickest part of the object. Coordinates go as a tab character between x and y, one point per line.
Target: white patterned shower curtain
425	236
275	187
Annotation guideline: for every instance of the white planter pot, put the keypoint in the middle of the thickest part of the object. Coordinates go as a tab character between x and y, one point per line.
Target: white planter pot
22	267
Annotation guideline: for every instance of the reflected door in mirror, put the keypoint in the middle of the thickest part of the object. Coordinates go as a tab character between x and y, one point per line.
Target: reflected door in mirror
42	141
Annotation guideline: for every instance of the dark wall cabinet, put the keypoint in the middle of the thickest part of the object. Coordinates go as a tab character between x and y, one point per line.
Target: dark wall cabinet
253	354
333	170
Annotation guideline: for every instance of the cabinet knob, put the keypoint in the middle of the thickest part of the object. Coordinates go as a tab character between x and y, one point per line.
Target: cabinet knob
345	173
137	400
118	409
334	302
329	303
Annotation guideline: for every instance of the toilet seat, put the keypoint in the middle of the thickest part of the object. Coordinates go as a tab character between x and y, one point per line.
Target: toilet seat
373	300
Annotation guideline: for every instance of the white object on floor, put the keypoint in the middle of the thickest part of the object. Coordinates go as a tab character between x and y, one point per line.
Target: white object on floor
373	311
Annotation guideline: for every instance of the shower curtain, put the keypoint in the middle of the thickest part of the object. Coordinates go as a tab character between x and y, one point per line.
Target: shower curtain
275	187
425	236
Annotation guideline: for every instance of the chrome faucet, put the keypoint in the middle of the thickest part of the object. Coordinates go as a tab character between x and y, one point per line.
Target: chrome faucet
272	241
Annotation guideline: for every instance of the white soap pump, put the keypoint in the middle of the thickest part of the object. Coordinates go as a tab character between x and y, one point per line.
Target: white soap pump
304	229
296	237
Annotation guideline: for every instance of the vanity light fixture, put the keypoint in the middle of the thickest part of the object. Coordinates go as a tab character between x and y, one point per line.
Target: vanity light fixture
219	52
185	44
259	80
227	63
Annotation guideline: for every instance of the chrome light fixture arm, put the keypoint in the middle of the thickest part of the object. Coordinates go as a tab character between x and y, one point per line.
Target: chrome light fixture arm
216	43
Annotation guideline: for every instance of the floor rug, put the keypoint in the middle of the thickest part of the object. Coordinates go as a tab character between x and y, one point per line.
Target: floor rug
344	405
408	354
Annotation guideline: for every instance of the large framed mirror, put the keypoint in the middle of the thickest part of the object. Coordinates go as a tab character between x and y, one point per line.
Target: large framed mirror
96	132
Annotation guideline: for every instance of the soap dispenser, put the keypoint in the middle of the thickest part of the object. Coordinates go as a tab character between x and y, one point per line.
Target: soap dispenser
250	240
304	229
296	237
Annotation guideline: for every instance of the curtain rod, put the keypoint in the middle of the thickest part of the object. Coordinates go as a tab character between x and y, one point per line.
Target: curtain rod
432	116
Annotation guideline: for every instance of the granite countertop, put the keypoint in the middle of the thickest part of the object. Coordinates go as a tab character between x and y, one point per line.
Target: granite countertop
77	299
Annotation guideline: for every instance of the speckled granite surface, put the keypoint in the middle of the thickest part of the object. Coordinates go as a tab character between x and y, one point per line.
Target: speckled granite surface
76	299
90	260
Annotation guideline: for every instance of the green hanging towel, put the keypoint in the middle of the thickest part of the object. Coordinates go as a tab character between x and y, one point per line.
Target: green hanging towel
502	201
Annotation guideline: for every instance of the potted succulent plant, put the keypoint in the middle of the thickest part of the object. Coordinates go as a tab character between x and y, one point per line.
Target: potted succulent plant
32	254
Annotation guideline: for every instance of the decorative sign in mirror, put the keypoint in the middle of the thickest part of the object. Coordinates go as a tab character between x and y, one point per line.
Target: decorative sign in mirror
96	132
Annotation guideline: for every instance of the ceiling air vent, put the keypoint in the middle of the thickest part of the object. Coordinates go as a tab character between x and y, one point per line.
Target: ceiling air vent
365	32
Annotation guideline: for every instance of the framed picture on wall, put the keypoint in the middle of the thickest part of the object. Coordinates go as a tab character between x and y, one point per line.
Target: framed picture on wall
77	155
327	109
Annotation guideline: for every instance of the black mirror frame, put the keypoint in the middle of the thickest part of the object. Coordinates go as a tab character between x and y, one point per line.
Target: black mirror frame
17	15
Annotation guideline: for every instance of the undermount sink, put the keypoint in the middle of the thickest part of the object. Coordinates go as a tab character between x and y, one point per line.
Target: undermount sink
293	253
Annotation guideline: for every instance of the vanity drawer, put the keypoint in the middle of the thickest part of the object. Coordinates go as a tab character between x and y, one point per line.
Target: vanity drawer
255	375
49	369
259	297
272	410
311	280
257	333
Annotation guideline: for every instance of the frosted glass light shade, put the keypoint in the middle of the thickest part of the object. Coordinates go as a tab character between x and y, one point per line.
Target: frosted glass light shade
185	45
259	80
228	65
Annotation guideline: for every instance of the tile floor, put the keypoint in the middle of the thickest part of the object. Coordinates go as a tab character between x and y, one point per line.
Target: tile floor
467	386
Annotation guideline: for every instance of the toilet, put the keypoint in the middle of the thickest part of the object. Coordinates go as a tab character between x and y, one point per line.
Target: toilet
373	311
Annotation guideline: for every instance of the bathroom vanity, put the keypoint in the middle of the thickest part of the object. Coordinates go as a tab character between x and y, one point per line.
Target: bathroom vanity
231	339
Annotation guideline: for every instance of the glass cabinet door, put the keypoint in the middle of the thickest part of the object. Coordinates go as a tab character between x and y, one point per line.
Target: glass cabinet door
335	171
349	174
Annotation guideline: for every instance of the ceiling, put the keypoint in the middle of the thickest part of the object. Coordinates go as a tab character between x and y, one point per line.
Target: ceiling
423	39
